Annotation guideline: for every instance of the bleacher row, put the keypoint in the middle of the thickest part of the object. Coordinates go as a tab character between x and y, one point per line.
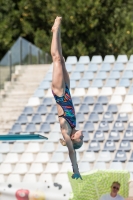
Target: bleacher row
102	92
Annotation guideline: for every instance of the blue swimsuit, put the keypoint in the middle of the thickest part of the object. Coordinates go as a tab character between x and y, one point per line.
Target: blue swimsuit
66	103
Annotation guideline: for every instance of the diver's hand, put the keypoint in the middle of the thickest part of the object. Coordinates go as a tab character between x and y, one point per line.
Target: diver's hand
76	176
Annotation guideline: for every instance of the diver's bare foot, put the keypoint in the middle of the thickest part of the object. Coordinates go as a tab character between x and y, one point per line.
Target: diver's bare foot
62	142
57	23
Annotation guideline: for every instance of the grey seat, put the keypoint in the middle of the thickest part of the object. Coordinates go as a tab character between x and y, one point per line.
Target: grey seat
120	156
83	83
104	156
94	146
93	67
88	75
130	90
130	126
86	136
71	60
22	119
114	135
45	128
118	125
44	85
48	147
84	59
68	67
4	148
54	109
36	119
128	74
30	128
47	101
109	146
88	156
76	100
114	75
111	83
131	59
129	66
118	67
77	126
80	117
102	100
75	76
96	59
16	128
122	59
57	157
97	83
123	117
61	148
99	136
84	108
18	147
79	67
108	116
51	118
106	67
124	82
89	126
42	110
89	100
72	84
39	93
93	117
112	108
125	145
28	110
101	75
48	77
98	108
104	126
131	157
128	135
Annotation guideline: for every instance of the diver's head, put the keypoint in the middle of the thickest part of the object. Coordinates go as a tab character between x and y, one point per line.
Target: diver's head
77	138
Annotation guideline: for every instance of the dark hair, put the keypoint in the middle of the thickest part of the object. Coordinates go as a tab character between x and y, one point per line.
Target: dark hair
77	145
116	182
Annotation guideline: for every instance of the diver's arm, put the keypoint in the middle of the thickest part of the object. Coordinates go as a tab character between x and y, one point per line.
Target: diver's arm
72	155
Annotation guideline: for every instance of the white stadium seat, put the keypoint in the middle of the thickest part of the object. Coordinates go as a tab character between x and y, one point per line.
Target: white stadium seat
20	168
52	168
36	168
11	158
26	158
92	91
15	178
120	91
106	91
116	99
33	147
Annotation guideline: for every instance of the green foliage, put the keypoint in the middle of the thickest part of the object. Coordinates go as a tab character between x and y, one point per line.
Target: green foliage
88	27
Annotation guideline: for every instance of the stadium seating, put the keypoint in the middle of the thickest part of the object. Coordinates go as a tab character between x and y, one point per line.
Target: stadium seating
102	93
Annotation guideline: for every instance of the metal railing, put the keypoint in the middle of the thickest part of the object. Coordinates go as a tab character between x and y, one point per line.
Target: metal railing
21	53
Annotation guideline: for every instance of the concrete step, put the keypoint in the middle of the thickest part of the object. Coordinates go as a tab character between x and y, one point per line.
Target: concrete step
20	91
